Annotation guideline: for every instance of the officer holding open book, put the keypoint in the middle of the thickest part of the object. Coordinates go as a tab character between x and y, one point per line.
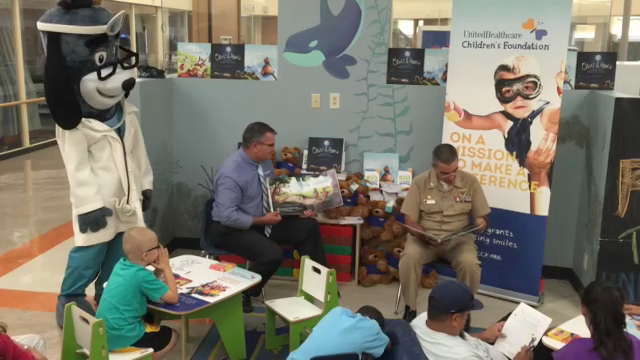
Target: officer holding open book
443	209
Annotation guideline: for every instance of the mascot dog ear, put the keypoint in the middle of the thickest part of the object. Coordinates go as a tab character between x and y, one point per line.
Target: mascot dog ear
58	89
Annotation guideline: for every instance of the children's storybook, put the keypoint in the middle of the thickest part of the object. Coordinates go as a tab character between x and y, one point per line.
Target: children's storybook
204	281
292	195
465	230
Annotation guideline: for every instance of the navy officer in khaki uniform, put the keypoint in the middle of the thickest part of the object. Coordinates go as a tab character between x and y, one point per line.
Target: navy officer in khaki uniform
441	201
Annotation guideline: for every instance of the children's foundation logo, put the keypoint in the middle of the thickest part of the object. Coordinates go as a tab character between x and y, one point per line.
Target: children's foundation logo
532	27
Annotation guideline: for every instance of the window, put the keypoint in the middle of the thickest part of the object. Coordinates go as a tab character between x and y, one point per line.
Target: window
39	120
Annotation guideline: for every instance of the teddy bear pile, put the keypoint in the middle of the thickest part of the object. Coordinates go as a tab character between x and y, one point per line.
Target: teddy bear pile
383	237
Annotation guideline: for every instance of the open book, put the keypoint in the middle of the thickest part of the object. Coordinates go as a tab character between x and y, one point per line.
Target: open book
465	230
293	195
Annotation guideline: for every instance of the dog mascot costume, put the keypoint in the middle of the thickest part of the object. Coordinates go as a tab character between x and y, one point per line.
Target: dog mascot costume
87	77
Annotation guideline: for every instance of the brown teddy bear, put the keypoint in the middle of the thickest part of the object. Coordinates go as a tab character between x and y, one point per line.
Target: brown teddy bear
398	205
430	280
293	156
377	208
333	213
276	171
374	268
355	176
362	209
393	258
392	225
366	233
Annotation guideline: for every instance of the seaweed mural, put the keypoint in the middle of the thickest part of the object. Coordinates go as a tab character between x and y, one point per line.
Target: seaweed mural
384	120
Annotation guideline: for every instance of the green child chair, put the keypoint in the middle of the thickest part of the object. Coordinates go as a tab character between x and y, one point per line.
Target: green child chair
85	337
316	283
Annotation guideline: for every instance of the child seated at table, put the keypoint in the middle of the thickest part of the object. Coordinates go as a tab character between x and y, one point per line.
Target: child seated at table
343	332
130	286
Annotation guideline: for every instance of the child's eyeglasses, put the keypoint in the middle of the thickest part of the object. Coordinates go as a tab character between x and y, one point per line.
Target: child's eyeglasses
154	248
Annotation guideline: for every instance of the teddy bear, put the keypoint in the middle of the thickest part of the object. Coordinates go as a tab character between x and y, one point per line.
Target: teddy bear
278	172
333	213
393	257
292	155
430	279
366	233
362	209
393	226
398	205
358	176
374	268
377	208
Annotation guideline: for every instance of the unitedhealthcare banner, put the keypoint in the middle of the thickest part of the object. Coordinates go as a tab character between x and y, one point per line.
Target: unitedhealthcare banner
504	90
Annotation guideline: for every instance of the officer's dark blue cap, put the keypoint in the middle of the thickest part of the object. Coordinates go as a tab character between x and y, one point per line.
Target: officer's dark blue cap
452	297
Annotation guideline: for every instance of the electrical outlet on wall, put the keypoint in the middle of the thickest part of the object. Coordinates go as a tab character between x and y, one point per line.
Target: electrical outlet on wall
334	101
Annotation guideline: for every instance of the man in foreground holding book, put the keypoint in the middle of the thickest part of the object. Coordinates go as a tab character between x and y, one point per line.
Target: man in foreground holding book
438	209
244	223
440	330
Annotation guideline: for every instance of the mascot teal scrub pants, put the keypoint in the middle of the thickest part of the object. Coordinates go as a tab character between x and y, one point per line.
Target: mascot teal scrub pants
86	263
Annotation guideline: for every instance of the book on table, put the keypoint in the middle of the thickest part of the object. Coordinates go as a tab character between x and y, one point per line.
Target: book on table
561	335
445	237
293	195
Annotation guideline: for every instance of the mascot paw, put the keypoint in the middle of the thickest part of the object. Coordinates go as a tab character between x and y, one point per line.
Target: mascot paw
146	199
95	220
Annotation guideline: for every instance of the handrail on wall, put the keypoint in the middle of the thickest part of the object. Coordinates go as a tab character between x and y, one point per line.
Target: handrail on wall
20	102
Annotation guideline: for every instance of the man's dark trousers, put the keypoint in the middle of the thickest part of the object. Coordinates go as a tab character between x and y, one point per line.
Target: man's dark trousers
265	253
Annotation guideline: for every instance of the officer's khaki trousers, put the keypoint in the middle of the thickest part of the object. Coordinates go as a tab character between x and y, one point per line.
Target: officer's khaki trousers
460	252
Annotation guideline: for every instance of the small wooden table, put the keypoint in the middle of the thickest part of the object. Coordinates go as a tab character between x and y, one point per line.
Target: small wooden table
348	221
210	294
577	325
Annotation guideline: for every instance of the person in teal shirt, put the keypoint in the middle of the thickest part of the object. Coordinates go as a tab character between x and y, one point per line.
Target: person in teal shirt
130	286
343	332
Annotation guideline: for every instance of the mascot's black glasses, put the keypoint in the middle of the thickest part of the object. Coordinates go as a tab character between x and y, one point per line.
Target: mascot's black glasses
127	62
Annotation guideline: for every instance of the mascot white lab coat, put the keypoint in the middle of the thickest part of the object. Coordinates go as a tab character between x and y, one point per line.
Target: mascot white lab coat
86	79
102	174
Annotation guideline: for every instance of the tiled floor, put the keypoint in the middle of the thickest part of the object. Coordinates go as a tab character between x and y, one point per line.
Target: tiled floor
36	235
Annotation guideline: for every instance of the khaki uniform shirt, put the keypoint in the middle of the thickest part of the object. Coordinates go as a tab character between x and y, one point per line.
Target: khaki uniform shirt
441	211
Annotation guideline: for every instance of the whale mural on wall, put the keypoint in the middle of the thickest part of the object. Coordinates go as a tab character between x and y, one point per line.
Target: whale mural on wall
326	44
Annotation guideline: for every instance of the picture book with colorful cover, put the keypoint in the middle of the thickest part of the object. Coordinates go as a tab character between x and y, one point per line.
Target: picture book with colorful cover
194	60
563	336
222	266
325	154
292	195
385	164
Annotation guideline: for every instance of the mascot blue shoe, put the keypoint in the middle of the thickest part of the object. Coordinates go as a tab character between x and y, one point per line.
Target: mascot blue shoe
87	78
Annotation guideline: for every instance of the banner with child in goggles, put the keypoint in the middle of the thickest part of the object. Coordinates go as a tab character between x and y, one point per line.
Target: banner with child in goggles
502	110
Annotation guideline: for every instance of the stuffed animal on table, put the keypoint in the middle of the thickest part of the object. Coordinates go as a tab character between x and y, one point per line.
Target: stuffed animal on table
291	157
87	77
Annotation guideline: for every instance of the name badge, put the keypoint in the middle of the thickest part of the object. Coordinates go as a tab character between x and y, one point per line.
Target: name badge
428	201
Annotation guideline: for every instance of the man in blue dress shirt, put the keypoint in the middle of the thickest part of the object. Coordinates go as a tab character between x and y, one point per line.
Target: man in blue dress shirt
243	223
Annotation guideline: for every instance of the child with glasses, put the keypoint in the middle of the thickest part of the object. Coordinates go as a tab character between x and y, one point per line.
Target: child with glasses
131	285
524	121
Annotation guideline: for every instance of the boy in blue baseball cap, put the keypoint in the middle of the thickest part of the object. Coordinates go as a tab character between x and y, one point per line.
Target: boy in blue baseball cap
440	330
